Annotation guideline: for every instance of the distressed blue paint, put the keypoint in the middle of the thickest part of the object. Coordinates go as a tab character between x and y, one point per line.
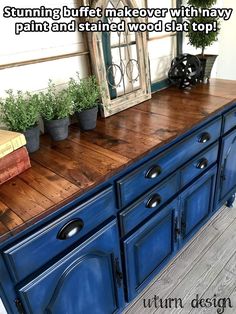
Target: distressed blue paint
149	249
168	161
44	245
148	236
138	212
228	166
82	282
230	120
190	171
196	204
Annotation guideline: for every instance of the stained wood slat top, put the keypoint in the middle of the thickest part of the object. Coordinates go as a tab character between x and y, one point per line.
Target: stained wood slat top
62	171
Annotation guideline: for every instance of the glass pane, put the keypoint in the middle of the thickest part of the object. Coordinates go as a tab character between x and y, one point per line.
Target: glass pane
121	56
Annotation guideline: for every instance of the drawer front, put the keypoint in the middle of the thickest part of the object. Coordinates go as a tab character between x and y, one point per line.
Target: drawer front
144	207
230	120
201	163
35	251
149	249
147	176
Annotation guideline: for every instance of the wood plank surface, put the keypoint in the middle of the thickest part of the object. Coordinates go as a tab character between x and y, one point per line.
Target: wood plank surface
206	266
63	171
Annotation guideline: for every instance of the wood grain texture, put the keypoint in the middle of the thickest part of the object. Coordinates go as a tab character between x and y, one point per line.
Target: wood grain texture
205	266
62	171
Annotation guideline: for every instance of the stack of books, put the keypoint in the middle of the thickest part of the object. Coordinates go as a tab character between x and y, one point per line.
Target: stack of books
14	157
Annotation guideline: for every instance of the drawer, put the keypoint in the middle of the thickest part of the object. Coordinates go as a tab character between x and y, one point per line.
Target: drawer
33	252
144	207
230	120
197	166
152	172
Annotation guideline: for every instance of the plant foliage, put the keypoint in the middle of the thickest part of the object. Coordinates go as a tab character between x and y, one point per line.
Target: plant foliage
19	112
202	39
55	104
86	93
202	3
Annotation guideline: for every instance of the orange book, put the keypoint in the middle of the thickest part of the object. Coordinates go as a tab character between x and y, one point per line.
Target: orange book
14	164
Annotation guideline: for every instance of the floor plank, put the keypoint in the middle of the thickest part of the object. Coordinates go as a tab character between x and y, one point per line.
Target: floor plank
206	265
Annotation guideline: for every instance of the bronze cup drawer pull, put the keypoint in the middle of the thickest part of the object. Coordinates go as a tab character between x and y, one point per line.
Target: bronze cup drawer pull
204	137
154	201
153	172
202	164
71	229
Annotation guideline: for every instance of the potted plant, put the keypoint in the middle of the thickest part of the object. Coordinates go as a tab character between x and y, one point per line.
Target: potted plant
56	107
86	95
202	39
20	113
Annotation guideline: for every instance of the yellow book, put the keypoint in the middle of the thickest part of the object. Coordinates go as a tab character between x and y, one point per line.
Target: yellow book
10	141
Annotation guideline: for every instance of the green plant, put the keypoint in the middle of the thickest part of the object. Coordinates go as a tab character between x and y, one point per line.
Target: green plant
202	39
19	112
202	3
55	105
86	93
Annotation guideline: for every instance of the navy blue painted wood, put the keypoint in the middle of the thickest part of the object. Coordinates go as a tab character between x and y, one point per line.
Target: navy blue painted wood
199	164
149	249
227	184
44	244
230	120
82	282
196	204
167	162
139	211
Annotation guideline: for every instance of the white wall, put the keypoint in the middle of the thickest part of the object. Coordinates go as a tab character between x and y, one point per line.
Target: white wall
226	63
31	46
225	48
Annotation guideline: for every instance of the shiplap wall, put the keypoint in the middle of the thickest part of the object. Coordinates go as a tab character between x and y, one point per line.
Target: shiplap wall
29	46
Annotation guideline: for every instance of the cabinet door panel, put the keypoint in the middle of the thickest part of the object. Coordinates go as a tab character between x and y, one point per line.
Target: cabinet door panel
196	204
149	248
228	167
82	282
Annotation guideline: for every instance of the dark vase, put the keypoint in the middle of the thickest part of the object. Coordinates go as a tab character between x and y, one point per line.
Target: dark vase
88	119
32	139
57	129
207	62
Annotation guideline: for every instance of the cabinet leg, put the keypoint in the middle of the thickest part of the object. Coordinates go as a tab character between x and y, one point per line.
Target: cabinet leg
231	201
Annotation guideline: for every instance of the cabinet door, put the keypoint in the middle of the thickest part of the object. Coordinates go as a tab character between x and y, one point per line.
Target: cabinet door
196	204
227	184
150	248
87	280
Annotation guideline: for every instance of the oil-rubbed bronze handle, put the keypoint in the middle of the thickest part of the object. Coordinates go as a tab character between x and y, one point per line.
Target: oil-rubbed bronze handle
153	172
70	229
154	201
202	164
204	137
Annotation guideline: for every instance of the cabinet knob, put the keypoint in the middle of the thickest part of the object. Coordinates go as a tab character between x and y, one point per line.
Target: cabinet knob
70	229
204	137
153	172
154	201
202	164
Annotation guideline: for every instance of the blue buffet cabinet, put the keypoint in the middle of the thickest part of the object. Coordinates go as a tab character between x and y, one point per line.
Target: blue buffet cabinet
100	255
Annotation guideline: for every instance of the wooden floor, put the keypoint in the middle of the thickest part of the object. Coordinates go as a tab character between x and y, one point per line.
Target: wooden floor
207	267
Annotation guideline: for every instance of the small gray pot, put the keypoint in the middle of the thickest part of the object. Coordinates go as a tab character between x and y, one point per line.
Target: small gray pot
32	139
88	119
58	129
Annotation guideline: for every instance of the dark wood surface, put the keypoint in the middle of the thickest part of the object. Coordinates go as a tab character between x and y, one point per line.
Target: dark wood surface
64	170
